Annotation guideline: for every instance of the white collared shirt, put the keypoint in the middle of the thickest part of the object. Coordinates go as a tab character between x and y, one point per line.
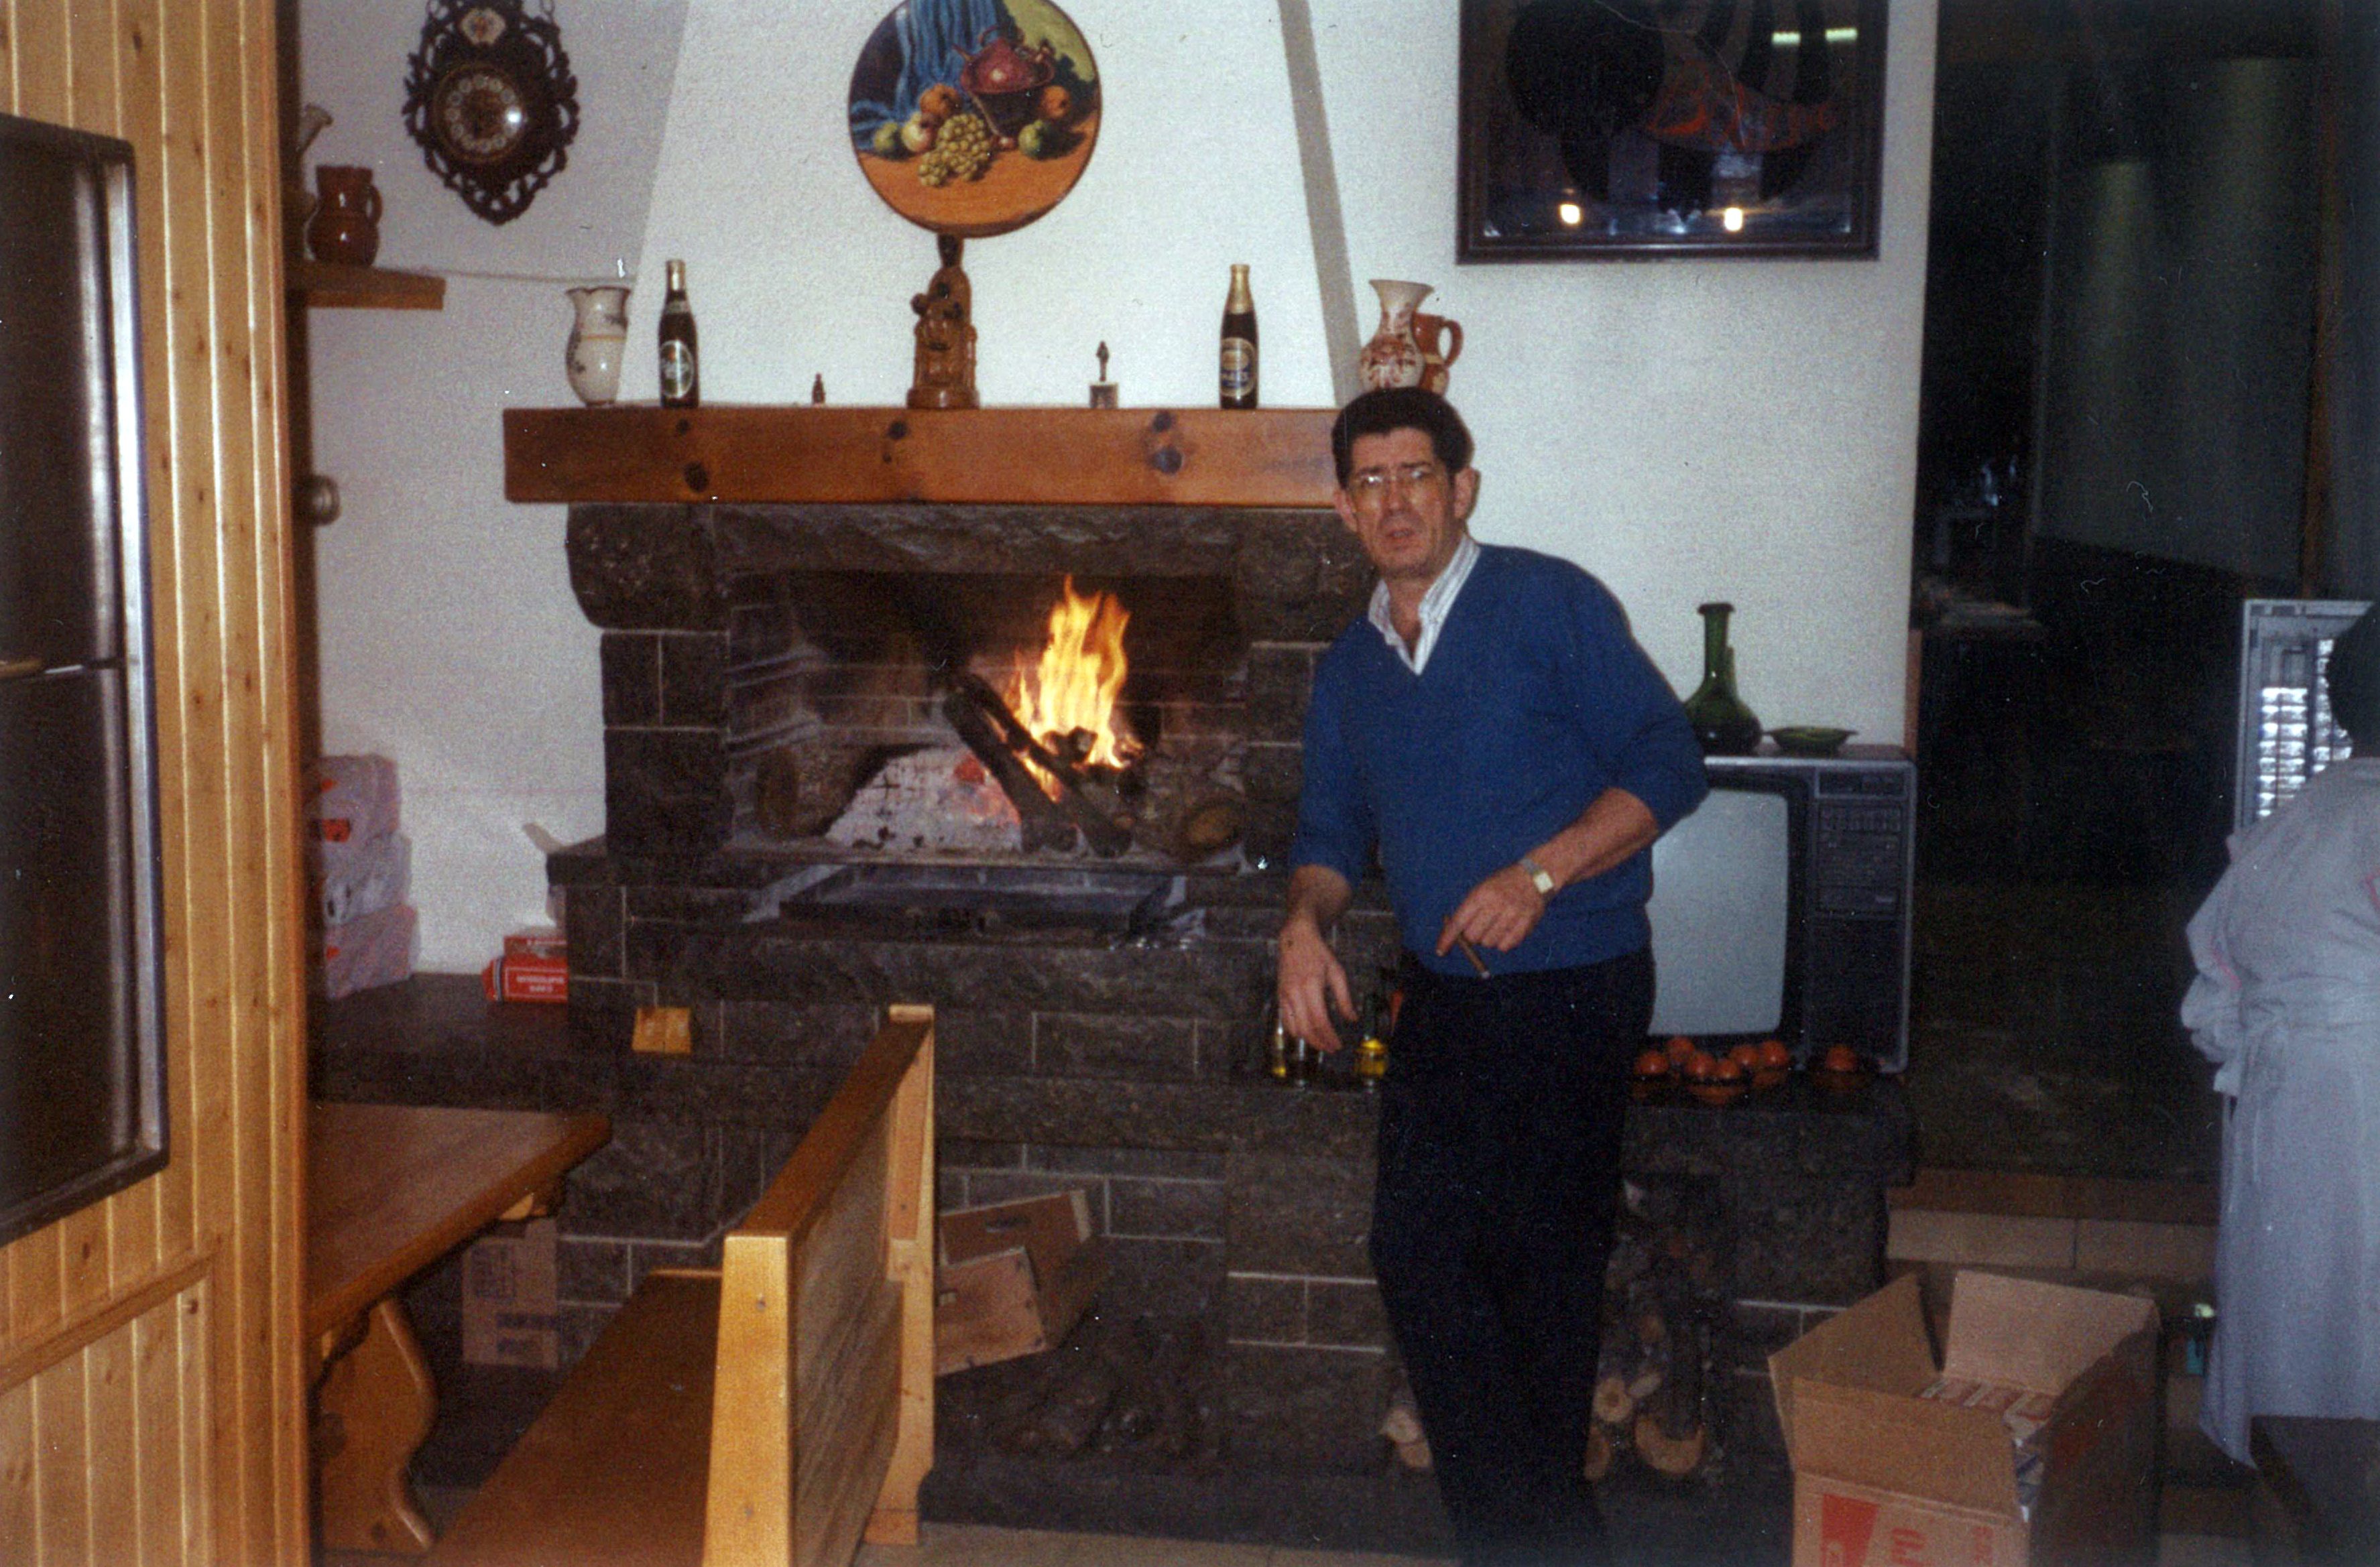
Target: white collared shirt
1434	603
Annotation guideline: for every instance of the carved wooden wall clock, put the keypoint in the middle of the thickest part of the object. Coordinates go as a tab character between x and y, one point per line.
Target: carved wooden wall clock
490	96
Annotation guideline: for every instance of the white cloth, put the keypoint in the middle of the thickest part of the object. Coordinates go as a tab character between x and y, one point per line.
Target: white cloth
2287	1003
1434	603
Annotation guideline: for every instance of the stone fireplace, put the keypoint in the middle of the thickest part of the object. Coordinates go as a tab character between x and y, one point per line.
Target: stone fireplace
785	599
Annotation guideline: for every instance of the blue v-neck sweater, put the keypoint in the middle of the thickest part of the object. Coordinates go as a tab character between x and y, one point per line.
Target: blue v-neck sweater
1535	699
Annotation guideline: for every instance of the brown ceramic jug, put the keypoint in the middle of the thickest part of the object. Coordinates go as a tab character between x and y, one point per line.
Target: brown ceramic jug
345	226
1440	341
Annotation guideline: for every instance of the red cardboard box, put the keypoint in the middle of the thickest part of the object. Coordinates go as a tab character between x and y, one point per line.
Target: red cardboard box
526	979
544	942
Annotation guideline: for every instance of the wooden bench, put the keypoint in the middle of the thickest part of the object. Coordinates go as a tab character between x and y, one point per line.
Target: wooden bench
771	1413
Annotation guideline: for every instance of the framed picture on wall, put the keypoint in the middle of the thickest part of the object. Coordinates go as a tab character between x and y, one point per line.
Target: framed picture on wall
1644	128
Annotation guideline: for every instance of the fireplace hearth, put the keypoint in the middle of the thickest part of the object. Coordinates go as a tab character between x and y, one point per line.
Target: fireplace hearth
770	645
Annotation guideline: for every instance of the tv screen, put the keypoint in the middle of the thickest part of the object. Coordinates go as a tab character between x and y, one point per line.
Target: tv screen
1721	898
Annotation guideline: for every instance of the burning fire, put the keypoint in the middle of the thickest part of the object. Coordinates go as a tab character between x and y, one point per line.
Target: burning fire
1073	688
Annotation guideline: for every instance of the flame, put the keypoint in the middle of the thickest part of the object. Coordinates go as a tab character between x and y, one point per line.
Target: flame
1080	674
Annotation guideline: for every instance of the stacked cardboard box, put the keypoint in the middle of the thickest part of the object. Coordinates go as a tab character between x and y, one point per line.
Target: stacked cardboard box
359	869
534	966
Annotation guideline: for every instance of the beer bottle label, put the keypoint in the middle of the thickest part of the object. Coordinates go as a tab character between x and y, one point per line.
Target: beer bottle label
1239	367
677	368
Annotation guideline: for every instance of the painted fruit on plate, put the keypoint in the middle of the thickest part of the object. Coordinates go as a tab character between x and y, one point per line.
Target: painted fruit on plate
1007	96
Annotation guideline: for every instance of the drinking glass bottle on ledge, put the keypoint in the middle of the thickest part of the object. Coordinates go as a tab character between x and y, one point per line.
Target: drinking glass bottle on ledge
1238	384
681	368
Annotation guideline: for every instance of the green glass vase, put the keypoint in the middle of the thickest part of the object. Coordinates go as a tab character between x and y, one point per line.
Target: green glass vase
1722	723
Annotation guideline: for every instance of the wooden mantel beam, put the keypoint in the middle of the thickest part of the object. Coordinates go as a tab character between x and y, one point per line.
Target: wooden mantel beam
991	456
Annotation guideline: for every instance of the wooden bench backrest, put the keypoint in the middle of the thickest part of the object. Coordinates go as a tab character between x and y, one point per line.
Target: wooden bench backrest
823	1418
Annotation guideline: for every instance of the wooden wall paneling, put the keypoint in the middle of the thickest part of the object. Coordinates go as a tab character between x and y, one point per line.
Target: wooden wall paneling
83	1257
183	1442
17	1541
156	1453
91	81
43	60
62	1488
194	1340
109	1419
144	125
36	1285
248	739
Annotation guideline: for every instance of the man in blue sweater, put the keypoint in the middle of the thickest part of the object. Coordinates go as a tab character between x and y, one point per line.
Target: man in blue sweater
1493	731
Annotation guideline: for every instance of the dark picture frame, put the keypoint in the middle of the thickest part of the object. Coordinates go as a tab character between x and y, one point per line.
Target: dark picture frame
1604	129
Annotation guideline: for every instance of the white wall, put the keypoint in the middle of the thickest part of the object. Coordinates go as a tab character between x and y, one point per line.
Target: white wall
449	637
1687	429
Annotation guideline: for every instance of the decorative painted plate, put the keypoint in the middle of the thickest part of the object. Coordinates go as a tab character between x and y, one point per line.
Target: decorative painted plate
973	117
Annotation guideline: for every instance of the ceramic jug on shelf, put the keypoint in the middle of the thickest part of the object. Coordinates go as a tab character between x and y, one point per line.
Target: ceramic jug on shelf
599	334
346	225
1393	358
1440	341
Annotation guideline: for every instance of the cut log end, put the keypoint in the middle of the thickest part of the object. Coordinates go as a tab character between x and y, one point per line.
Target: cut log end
1674	1456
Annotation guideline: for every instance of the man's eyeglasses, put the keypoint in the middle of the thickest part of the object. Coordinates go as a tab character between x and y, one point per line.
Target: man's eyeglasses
1371	487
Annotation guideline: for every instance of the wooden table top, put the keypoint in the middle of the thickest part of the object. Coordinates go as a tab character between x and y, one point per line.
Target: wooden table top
390	1188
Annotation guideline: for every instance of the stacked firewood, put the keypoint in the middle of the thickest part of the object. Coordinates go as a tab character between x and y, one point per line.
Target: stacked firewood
1665	1365
1663	1373
1114	1386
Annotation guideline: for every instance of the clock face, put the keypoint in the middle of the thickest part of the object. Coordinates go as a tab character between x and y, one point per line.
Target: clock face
479	113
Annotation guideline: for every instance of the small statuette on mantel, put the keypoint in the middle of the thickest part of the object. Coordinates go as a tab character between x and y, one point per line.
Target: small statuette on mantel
1103	390
945	362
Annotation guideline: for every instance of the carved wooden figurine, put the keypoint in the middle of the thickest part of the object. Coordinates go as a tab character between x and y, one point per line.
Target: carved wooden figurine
945	373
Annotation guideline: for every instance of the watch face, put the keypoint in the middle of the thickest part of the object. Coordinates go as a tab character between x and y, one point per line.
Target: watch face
479	113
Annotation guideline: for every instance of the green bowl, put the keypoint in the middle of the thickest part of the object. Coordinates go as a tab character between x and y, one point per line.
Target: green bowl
1810	740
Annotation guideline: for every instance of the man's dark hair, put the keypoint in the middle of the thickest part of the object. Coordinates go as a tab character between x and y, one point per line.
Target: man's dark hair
1396	408
2354	679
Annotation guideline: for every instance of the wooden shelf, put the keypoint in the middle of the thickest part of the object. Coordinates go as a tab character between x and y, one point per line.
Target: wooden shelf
1270	457
328	286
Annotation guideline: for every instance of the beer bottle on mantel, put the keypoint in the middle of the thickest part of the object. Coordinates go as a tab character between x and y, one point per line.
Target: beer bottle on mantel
1238	384
681	367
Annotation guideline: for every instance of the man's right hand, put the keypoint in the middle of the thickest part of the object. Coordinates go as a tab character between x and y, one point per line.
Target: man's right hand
1311	980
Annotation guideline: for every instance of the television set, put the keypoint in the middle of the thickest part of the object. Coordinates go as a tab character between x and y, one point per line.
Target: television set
1781	907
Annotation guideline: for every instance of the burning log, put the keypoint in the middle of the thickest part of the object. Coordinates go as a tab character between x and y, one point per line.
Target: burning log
992	733
1045	825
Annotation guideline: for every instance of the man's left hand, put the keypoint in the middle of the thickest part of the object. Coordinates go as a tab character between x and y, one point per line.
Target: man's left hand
1499	914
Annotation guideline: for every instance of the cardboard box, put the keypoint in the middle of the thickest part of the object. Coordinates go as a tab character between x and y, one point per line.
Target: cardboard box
374	950
1013	1278
540	940
352	879
353	799
2033	1443
526	979
511	1316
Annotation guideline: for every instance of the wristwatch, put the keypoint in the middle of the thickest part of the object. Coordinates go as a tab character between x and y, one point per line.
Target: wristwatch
1539	877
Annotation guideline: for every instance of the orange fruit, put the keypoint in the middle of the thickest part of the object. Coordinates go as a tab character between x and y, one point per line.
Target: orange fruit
1746	1057
1841	1058
1774	1057
1681	1049
1653	1064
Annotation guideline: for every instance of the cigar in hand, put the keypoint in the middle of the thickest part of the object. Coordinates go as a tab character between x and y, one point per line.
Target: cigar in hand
1472	953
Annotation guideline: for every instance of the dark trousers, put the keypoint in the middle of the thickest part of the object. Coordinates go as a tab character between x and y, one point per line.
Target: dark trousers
1499	1174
